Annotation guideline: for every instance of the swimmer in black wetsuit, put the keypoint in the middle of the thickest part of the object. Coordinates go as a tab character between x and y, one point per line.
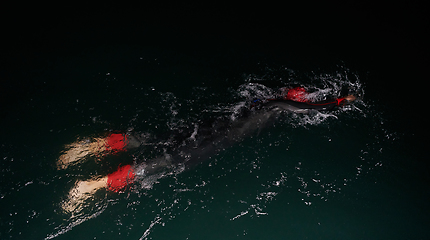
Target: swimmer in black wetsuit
192	146
296	100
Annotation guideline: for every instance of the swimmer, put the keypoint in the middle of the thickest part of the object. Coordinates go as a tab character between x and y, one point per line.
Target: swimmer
195	145
297	100
299	94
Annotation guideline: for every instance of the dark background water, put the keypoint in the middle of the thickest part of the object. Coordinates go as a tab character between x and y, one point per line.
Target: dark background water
66	70
386	41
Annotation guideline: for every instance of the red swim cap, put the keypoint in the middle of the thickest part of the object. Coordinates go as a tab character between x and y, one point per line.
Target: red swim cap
297	94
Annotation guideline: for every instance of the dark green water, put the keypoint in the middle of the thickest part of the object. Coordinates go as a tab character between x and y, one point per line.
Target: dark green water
356	173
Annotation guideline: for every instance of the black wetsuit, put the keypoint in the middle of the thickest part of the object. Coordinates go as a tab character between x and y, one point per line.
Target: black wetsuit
319	106
194	145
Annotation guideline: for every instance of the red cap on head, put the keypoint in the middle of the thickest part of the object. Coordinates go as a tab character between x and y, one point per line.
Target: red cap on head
297	94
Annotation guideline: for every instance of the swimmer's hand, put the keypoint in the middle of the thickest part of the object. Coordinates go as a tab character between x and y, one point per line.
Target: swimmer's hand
350	98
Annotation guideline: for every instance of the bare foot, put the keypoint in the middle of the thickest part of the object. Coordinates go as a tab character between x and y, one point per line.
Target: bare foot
81	192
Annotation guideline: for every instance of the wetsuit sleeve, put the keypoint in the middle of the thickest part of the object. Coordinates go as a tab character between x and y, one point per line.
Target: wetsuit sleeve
320	106
327	105
118	180
340	101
